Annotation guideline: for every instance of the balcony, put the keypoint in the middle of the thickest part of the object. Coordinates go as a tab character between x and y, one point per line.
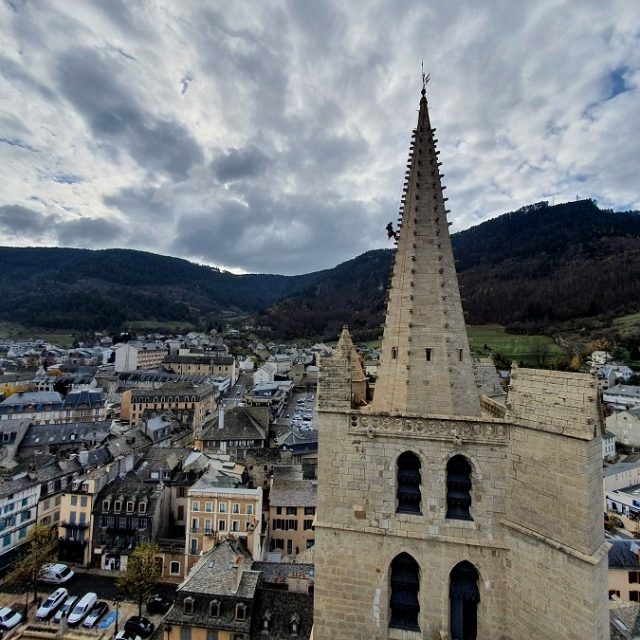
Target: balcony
74	525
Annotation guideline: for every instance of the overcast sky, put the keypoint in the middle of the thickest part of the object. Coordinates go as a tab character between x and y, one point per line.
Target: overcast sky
272	136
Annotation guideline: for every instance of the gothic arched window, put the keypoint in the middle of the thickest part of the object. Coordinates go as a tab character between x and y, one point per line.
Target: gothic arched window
404	588
408	492
459	489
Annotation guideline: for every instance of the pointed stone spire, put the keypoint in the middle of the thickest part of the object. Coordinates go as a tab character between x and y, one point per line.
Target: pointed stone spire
425	362
334	385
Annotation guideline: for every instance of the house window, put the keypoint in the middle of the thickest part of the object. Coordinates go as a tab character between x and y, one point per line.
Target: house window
142	507
235	508
207	525
634	577
105	505
222	507
405	586
241	611
74	501
83	501
394	352
181	492
292	511
278	511
309	511
117	505
195	505
458	489
613	592
408	477
174	568
208	507
185	632
195	525
235	525
188	606
634	596
214	609
222	525
130	506
460	353
427	354
250	509
308	525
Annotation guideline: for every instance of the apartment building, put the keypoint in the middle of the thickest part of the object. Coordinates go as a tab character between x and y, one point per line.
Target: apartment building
204	364
18	508
292	512
217	512
198	401
139	355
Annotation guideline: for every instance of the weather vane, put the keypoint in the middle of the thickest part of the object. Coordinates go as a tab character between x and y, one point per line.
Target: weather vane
425	79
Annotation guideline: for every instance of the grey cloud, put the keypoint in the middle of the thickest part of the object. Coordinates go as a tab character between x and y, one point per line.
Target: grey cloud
90	81
141	204
86	231
15	142
17	220
13	72
67	178
290	235
235	164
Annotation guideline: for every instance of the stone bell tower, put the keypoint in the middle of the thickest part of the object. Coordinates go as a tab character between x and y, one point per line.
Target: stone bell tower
436	519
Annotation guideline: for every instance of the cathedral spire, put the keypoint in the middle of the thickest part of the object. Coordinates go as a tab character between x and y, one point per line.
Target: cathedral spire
425	365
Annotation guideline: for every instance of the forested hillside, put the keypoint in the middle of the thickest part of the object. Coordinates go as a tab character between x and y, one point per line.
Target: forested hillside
527	269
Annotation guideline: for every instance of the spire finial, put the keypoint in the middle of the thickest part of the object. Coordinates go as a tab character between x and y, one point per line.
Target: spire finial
425	79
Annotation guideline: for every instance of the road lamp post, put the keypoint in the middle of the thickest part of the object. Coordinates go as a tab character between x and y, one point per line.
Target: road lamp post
117	600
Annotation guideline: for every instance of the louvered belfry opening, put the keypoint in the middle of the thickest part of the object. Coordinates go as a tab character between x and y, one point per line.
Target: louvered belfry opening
459	489
409	495
405	586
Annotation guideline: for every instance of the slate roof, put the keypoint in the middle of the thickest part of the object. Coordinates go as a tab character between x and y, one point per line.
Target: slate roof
97	457
128	488
132	439
623	554
215	577
202	359
13	486
278	572
282	606
293	493
88	397
56	434
240	423
33	397
626	390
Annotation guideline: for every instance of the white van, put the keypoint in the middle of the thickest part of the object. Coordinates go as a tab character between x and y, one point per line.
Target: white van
56	573
82	607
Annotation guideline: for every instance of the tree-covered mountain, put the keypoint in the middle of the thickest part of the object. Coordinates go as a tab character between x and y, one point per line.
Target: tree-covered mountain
527	269
53	288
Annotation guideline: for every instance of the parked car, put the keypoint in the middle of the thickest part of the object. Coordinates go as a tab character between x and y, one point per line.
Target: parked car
126	635
82	607
159	604
94	616
66	607
138	625
49	606
9	618
56	573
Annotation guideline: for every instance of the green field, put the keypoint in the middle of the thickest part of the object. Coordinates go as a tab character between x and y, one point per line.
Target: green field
492	338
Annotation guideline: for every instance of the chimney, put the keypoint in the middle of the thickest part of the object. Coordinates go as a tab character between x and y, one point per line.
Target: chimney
221	417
